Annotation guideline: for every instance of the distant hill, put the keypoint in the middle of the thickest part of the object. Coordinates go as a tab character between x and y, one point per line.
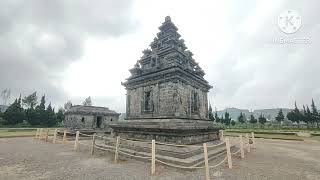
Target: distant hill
270	114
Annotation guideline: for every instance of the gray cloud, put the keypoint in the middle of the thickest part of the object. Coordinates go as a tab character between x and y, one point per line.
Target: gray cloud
257	73
40	39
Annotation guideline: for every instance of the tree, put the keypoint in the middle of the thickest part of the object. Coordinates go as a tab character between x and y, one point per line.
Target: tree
252	120
14	113
41	112
51	118
241	118
87	101
216	117
295	115
308	116
60	115
67	105
280	116
262	119
211	117
31	100
227	118
233	123
315	114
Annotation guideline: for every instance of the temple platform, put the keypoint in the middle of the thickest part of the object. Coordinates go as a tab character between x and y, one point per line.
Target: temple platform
178	131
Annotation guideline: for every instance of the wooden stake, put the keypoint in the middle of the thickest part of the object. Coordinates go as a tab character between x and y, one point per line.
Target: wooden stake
228	152
76	142
253	140
40	133
35	137
221	135
241	147
47	135
55	136
206	161
153	156
116	153
248	142
64	140
93	143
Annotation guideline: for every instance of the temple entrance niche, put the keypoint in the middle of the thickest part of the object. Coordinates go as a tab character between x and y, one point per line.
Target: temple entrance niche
98	122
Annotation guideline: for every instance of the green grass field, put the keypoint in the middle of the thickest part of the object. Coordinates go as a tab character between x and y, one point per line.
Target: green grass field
17	132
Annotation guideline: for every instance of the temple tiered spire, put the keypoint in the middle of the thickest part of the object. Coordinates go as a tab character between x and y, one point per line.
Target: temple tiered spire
167	50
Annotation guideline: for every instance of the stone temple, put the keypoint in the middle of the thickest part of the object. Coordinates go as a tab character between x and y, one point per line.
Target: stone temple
167	94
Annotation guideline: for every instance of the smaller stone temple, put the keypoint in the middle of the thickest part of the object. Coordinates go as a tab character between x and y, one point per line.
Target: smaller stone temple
90	117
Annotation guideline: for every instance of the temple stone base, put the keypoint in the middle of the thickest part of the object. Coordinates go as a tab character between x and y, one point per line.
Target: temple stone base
177	131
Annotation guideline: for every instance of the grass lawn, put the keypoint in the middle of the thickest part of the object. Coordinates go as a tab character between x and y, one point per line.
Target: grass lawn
269	135
8	132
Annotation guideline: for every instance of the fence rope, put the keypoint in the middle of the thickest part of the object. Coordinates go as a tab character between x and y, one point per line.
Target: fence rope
85	134
134	155
178	145
216	145
103	149
219	163
147	142
178	166
236	152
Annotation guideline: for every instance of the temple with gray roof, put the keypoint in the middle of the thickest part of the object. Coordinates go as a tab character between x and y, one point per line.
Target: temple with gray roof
90	117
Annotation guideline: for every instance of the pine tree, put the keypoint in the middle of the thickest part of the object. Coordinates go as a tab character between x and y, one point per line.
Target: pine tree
14	113
252	120
30	101
60	115
51	118
216	117
41	112
227	118
262	119
308	116
280	116
241	118
211	117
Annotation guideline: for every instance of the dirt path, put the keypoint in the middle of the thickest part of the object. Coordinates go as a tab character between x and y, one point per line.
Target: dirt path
27	159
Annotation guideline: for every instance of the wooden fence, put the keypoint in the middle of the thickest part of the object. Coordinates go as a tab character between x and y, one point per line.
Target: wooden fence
246	142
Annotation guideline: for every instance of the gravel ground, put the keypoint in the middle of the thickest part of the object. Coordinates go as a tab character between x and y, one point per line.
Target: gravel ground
27	159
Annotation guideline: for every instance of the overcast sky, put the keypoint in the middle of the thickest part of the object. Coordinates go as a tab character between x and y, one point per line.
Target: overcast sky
69	50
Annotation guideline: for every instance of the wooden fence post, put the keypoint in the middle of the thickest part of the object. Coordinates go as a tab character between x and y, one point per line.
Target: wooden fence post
153	156
206	161
253	140
241	147
221	135
116	153
248	142
40	133
55	136
64	140
228	152
35	137
76	142
47	135
93	143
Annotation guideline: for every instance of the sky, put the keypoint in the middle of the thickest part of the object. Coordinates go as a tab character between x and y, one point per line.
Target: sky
69	50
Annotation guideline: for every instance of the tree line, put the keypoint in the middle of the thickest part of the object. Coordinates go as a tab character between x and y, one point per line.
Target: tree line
310	117
27	111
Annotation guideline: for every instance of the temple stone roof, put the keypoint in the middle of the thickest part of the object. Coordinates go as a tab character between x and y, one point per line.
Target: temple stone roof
168	54
90	110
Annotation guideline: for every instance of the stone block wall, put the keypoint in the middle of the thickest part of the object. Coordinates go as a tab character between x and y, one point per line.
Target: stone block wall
169	99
